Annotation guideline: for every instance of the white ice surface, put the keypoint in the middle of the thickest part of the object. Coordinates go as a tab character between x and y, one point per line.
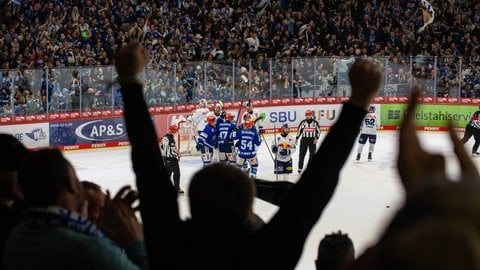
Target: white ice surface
368	194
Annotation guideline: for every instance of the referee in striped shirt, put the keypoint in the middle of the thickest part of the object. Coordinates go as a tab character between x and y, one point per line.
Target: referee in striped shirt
169	151
309	130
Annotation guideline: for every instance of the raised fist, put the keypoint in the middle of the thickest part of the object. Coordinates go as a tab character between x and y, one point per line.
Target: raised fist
366	77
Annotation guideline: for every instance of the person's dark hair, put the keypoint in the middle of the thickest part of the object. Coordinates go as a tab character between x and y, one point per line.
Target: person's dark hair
43	175
87	185
335	252
13	152
221	194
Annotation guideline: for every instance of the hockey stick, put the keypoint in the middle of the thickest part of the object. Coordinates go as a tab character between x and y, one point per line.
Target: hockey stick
275	160
240	109
268	148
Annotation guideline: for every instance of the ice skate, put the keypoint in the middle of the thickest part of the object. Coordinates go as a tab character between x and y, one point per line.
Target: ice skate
369	156
358	156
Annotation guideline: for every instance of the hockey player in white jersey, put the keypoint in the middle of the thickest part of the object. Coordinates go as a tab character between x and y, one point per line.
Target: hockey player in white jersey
252	115
284	147
368	132
218	112
199	117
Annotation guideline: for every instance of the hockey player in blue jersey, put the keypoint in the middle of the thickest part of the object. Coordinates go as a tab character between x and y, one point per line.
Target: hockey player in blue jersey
248	143
207	140
219	115
225	133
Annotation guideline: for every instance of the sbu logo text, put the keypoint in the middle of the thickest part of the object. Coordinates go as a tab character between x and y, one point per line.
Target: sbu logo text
282	117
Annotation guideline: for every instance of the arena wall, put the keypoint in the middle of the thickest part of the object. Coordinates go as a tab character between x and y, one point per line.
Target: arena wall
72	131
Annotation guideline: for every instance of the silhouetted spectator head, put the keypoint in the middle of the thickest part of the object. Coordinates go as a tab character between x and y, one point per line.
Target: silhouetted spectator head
48	178
335	252
221	197
13	153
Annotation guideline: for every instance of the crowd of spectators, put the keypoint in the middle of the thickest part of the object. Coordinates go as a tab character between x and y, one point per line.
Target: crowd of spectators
219	49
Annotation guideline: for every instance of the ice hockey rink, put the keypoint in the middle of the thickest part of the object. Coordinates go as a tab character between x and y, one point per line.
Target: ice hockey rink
368	194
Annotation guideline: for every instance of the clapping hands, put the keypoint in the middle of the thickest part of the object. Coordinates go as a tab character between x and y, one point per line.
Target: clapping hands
119	221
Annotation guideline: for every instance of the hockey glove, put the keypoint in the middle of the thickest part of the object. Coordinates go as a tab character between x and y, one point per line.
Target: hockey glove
223	114
198	146
274	149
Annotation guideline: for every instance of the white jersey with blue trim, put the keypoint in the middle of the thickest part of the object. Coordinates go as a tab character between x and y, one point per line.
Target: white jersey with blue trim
370	124
285	147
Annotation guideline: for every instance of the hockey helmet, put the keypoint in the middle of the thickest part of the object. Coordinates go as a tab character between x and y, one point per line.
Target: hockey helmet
248	124
219	104
285	128
173	128
211	119
308	113
371	109
229	116
202	102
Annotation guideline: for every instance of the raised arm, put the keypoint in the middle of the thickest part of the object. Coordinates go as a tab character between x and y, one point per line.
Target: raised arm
306	201
158	198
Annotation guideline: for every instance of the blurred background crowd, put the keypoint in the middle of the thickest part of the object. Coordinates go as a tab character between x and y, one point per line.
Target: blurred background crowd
57	55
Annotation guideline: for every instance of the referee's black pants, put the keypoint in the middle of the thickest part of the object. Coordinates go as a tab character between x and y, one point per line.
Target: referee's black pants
306	143
171	164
